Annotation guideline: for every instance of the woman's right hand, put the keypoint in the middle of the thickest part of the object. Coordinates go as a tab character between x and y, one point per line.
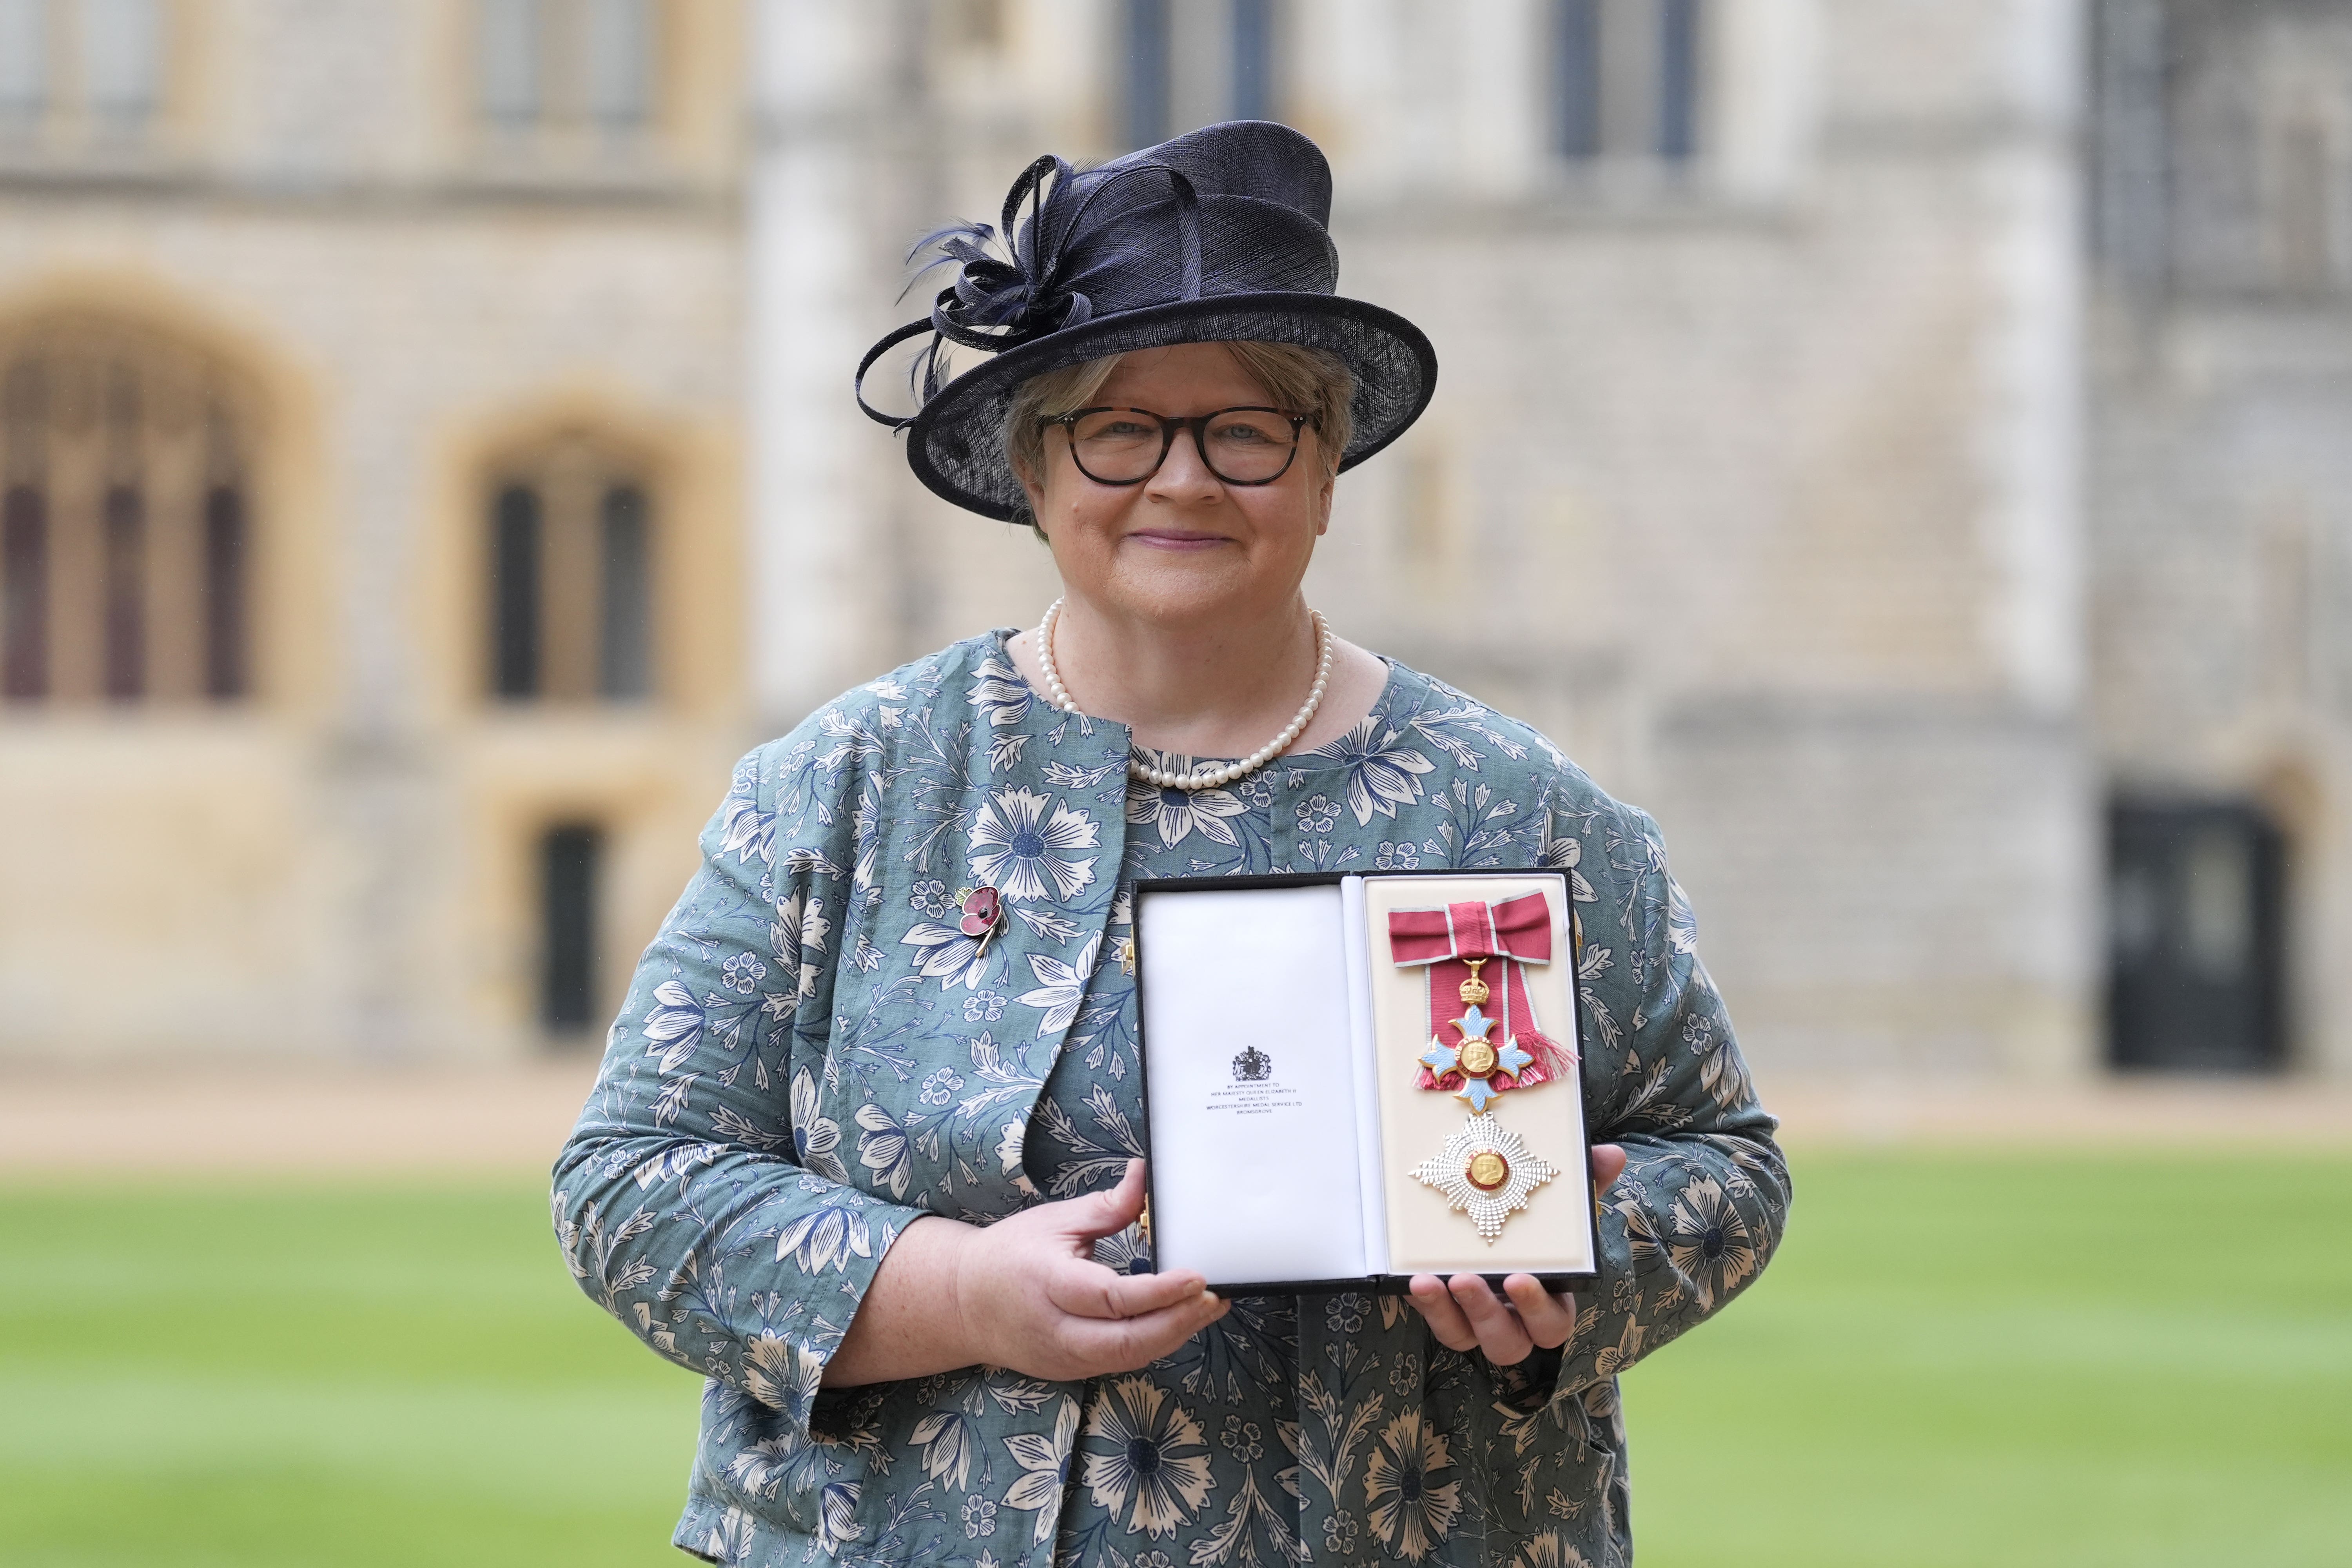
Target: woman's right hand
1023	1293
1031	1297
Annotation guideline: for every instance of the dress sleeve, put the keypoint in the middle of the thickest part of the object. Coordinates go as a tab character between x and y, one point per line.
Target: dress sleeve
1705	1194
701	1199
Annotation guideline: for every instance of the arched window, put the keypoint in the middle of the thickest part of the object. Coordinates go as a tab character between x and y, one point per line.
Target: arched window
124	518
570	567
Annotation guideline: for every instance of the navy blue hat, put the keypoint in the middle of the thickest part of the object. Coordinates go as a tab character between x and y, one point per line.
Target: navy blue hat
1219	235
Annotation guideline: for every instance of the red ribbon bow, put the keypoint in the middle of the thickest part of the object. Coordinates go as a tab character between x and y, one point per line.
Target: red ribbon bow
1509	934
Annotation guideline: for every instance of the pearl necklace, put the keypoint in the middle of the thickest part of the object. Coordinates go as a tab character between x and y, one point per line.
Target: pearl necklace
1161	778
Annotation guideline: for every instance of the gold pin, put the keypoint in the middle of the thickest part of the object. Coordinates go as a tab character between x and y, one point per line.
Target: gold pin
1487	1170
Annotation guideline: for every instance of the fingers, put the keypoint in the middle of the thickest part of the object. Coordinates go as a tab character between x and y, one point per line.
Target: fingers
1100	1213
1444	1316
1085	1289
1549	1320
1501	1336
1608	1164
1465	1314
1118	1346
1131	1342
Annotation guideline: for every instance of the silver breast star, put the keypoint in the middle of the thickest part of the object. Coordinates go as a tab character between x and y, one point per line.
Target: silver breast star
1450	1171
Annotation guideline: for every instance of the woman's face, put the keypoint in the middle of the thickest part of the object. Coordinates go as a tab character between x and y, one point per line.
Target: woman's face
1183	546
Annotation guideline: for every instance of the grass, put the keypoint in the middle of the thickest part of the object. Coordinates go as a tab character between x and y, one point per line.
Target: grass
1979	1360
233	1377
1988	1360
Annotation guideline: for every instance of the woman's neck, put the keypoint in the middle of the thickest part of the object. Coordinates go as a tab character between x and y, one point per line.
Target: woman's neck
1214	690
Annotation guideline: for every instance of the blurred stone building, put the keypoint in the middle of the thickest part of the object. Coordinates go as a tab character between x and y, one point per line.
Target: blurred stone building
1752	475
1951	562
2220	520
1902	447
370	413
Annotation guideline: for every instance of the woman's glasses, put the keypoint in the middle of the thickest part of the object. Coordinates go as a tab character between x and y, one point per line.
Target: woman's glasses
1127	446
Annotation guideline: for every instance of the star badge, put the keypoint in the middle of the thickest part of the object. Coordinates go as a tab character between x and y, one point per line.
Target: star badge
1486	1172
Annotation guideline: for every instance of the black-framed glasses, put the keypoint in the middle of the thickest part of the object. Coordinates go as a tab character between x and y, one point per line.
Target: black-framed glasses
1126	445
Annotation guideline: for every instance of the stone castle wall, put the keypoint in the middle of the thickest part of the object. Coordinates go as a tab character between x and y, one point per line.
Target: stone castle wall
1753	484
1823	495
343	863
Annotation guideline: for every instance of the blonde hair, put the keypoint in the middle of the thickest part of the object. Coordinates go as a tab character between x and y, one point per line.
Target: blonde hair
1306	381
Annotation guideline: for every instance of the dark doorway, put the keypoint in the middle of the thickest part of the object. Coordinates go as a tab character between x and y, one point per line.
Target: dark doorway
2195	933
570	867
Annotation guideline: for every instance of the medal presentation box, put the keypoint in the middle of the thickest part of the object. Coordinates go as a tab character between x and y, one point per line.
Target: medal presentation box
1352	1080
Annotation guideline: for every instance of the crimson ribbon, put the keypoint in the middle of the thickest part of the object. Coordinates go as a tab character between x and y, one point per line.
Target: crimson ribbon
1509	933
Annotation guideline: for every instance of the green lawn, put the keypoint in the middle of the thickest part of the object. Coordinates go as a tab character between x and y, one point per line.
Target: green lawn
2019	1362
1984	1360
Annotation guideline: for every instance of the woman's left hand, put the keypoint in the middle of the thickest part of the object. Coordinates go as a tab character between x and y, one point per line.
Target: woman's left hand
1465	1314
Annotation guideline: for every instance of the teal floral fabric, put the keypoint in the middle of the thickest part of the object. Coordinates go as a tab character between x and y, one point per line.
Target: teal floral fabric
812	1056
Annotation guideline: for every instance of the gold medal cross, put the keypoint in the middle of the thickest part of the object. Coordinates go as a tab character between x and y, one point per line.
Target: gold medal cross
1475	1057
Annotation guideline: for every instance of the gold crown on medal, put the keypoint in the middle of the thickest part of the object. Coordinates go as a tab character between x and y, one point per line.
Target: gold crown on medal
1476	991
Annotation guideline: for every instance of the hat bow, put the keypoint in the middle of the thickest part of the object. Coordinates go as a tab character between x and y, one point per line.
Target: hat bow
1001	300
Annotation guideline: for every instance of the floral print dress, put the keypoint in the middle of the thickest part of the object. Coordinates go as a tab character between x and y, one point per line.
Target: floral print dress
1147	1460
813	1056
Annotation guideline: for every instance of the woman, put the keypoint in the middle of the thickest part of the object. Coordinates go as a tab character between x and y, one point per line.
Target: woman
864	1149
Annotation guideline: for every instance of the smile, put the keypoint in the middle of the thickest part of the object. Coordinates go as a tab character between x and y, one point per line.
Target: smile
1160	539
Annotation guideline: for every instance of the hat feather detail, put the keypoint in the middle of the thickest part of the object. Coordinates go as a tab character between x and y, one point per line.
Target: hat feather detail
1005	291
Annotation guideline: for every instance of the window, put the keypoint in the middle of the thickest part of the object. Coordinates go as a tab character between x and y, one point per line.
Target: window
2131	173
23	592
1184	64
1253	59
2194	912
121	60
1147	72
124	581
619	46
569	591
123	505
511	50
624	654
566	64
222	586
1626	80
2220	148
515	591
94	64
570	864
24	60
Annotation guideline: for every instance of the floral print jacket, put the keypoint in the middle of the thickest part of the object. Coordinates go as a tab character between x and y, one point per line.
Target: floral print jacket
812	1056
